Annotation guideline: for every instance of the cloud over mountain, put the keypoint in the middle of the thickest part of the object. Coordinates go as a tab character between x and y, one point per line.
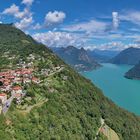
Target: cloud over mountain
59	39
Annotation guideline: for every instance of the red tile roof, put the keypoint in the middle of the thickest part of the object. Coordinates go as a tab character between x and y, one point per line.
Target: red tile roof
35	79
17	88
17	95
3	94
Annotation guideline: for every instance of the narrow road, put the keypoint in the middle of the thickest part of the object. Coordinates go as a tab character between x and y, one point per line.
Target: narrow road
56	71
7	105
102	123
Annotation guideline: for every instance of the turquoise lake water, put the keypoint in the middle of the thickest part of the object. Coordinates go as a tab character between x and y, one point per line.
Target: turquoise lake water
124	92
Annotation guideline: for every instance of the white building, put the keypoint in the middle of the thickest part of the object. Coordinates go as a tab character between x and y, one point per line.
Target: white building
3	98
16	90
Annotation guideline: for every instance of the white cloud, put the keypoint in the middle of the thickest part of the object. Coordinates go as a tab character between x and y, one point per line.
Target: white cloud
27	2
90	47
59	39
132	16
36	26
53	18
24	19
115	16
117	46
12	10
25	13
90	26
64	39
25	23
112	46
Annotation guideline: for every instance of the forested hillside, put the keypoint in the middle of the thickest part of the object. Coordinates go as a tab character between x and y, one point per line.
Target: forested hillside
134	73
130	56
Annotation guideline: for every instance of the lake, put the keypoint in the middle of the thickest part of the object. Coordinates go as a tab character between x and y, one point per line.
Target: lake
124	92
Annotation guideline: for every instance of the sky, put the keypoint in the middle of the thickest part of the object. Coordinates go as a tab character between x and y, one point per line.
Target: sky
101	24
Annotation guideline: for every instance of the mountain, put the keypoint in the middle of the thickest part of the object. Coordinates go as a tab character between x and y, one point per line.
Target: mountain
130	56
48	100
102	55
77	58
134	73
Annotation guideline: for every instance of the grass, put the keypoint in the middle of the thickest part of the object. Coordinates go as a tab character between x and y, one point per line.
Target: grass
29	108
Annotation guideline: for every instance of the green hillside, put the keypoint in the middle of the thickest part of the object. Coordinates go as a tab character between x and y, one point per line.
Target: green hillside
129	56
134	73
64	105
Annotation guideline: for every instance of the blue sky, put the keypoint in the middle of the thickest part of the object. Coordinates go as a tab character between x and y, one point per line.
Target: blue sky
103	24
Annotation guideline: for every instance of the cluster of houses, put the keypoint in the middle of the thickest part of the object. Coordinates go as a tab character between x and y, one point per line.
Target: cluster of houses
12	83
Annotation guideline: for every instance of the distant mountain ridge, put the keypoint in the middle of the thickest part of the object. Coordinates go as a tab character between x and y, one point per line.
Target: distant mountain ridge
77	58
130	56
102	55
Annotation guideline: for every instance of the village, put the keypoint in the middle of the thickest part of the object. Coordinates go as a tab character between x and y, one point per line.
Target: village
10	85
13	82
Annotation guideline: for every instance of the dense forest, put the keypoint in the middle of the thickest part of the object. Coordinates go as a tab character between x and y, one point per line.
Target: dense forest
74	105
